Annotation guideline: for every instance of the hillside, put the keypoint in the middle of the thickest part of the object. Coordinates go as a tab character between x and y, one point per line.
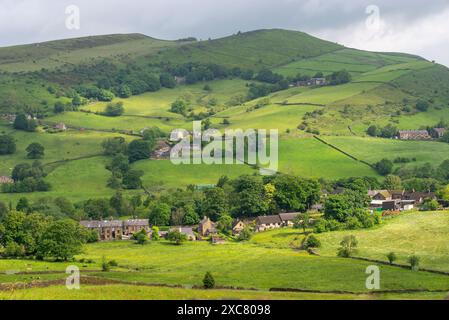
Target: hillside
255	49
60	53
383	90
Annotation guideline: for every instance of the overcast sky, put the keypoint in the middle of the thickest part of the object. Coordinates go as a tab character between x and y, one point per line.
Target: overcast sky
413	26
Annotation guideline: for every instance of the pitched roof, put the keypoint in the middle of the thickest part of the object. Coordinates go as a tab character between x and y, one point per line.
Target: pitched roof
268	220
384	193
184	230
372	193
136	222
288	216
417	196
102	224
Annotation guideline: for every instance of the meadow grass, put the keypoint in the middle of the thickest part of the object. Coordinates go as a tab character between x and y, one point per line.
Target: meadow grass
58	146
158	103
54	54
248	266
416	233
328	95
279	117
163	173
375	149
76	180
307	157
132	292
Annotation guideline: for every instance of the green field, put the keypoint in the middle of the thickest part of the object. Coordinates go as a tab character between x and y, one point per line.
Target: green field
253	264
354	61
310	158
54	54
132	292
422	234
375	149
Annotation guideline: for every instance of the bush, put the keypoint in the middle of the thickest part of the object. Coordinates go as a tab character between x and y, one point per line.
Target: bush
141	237
391	257
414	262
430	205
348	247
311	242
209	281
7	145
114	109
245	235
384	167
14	250
105	266
113	263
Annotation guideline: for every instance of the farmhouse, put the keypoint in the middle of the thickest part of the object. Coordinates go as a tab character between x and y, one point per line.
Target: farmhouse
132	226
162	150
60	126
188	231
5	180
414	135
268	222
116	229
311	82
382	195
238	226
206	227
439	132
107	230
397	194
419	197
287	218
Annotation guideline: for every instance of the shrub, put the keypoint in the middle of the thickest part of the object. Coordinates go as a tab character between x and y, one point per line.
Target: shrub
114	109
414	262
384	167
311	242
391	257
105	266
209	281
141	237
177	237
14	250
430	205
347	247
245	235
113	263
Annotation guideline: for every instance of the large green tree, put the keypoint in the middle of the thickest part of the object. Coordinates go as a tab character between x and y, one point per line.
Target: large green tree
62	240
35	151
140	149
7	145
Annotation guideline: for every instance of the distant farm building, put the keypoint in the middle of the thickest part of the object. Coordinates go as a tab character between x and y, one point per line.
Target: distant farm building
206	227
440	132
398	200
162	150
8	117
268	222
414	135
5	180
187	231
311	82
60	126
288	218
238	226
116	229
382	195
